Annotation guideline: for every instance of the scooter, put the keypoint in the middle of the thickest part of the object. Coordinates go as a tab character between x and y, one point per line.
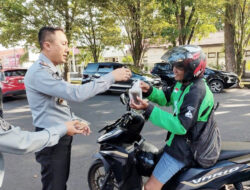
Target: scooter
125	158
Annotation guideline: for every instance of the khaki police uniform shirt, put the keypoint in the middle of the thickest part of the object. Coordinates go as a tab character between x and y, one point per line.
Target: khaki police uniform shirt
48	93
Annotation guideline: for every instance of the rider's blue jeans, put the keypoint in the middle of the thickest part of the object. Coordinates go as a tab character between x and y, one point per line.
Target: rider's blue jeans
166	168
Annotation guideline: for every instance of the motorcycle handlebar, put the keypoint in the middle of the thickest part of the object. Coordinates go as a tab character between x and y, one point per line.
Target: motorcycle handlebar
123	120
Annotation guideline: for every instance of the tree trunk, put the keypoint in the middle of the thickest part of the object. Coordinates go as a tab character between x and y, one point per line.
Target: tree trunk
241	23
94	54
239	59
183	23
136	33
93	46
229	37
136	53
69	35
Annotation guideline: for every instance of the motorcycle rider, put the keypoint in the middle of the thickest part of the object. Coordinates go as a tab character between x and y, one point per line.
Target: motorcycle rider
192	102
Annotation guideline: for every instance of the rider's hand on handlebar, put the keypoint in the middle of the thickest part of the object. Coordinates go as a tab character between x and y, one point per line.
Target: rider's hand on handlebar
144	86
143	104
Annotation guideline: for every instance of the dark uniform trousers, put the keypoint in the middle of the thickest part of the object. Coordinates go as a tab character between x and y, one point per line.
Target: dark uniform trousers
55	164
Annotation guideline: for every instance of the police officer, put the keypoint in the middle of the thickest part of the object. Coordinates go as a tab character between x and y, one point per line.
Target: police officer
48	94
15	141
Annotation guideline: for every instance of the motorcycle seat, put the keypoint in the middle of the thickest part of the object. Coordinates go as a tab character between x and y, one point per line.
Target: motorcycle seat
231	150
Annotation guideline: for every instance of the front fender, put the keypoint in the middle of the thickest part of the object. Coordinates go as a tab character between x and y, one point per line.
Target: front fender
105	163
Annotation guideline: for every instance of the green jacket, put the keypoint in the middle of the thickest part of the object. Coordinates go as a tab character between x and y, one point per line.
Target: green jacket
191	106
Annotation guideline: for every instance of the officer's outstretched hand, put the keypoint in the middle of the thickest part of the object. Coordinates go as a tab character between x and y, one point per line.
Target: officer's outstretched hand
73	128
122	74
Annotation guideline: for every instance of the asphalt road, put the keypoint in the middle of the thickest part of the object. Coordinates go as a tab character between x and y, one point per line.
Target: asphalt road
23	173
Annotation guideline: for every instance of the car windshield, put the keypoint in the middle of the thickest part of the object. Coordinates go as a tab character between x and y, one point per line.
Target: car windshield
92	67
12	73
1	76
163	66
209	71
105	68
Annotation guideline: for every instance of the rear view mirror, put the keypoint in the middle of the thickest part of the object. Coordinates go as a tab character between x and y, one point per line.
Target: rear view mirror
124	99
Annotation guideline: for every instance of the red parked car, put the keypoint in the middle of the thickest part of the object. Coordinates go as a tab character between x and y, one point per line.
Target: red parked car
12	81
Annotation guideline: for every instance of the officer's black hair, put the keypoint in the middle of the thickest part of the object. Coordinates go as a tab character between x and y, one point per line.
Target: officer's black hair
44	32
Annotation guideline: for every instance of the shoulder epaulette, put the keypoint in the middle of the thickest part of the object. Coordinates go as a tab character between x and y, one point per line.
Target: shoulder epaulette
44	64
46	67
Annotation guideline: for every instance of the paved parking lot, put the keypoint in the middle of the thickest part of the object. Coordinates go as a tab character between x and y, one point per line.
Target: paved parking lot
23	173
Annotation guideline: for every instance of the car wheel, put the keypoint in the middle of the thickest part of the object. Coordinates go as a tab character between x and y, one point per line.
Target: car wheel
216	86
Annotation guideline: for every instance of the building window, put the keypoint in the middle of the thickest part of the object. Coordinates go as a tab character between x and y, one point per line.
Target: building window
212	55
114	59
221	55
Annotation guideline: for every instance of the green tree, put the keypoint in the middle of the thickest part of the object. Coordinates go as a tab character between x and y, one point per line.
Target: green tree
138	19
237	33
24	58
229	34
84	56
188	19
127	59
97	29
242	32
21	20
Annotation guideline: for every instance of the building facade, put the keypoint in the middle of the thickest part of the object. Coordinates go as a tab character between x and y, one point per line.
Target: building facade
11	57
213	46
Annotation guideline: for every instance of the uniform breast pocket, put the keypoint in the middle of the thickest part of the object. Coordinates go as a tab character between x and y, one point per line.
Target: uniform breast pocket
61	102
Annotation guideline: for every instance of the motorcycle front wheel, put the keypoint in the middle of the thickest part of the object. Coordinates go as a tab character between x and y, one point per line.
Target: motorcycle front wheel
99	179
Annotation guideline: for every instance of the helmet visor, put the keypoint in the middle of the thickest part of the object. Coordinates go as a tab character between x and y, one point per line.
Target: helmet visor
175	55
179	54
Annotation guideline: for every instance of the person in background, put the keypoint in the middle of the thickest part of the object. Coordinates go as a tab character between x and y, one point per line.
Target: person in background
48	93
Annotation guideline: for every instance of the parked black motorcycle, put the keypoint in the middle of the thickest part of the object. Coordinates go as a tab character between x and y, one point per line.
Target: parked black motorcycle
125	157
